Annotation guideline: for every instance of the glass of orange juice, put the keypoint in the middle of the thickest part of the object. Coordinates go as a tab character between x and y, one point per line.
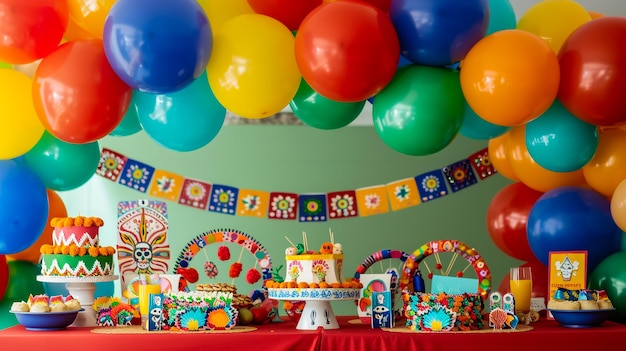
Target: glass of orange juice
145	290
521	284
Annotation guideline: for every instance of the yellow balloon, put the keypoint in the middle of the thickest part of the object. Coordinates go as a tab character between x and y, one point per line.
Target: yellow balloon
220	11
20	128
607	168
554	20
618	205
253	71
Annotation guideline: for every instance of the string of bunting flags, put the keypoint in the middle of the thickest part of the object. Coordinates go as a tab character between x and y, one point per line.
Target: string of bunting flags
278	205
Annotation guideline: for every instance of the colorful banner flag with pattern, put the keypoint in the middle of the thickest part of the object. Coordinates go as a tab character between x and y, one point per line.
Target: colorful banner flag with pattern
312	208
136	175
195	193
372	200
223	199
253	203
342	204
431	185
403	194
111	164
283	205
482	164
459	175
166	185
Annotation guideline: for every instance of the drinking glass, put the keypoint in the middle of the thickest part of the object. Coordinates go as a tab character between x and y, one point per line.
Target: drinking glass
521	284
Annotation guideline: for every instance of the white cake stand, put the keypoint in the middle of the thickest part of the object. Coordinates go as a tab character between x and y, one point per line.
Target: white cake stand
318	311
82	289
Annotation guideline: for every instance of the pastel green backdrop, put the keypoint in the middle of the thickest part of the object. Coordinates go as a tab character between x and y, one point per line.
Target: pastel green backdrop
302	160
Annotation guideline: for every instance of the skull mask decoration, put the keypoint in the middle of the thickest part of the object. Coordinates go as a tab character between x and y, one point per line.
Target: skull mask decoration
143	256
567	268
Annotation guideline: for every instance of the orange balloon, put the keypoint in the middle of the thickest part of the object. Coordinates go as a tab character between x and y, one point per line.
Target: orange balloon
56	208
618	205
607	168
498	155
510	77
532	174
595	15
90	15
76	32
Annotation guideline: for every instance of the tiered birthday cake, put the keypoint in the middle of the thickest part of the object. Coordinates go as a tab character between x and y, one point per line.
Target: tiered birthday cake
307	269
76	250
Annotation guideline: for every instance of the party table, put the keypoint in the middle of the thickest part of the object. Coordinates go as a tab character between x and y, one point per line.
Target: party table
350	336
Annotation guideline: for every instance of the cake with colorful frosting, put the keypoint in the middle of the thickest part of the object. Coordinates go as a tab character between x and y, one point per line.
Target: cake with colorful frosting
309	269
76	250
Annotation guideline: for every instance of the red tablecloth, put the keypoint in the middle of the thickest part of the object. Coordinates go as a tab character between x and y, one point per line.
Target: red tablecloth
274	336
349	337
545	334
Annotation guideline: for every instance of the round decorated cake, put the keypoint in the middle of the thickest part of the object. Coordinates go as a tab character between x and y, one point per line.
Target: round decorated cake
76	250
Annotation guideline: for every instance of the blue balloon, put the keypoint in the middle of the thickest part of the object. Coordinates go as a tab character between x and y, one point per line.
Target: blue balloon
157	46
130	123
474	127
182	121
23	207
501	16
439	33
560	142
573	219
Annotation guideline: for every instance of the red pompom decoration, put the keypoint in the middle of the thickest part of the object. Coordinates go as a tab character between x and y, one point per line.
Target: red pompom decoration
430	275
253	276
190	274
223	253
438	266
235	270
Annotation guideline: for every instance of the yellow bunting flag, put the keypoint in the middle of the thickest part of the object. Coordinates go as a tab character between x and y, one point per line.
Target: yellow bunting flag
403	193
252	203
372	200
166	185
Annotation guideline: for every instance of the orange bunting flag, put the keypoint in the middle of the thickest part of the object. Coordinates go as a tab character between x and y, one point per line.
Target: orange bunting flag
166	185
403	193
252	203
372	200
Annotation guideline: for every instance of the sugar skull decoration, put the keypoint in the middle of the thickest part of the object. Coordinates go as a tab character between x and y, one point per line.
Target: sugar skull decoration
142	243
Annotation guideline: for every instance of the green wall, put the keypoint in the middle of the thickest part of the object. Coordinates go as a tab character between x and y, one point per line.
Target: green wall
304	160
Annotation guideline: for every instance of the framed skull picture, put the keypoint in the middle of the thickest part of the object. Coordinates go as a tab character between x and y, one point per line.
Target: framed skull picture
142	246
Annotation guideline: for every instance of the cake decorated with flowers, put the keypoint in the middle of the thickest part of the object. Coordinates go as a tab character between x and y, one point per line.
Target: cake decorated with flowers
309	269
76	250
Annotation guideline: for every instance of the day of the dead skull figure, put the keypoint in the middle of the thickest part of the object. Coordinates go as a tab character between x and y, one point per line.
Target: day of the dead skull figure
143	256
567	268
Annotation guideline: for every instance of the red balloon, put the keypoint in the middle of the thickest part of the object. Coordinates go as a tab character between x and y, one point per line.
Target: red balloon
77	95
31	30
288	12
593	73
4	275
540	275
507	217
347	51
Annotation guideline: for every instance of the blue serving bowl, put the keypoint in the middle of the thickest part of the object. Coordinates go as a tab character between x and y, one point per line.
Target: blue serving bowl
46	321
581	318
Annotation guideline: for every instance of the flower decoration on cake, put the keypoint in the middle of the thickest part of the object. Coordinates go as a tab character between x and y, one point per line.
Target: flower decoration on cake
466	307
198	310
192	319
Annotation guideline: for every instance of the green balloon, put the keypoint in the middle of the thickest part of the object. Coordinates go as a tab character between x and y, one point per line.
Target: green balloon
7	319
60	165
421	110
610	276
22	281
130	123
320	112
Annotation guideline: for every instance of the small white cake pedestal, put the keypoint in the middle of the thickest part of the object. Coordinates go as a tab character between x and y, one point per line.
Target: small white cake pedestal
318	311
82	289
